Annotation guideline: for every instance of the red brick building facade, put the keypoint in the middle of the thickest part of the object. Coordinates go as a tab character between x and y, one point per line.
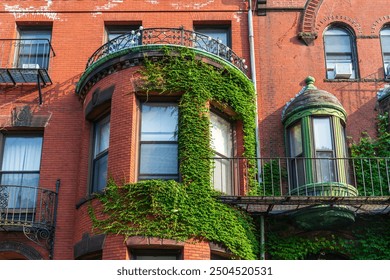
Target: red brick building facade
49	95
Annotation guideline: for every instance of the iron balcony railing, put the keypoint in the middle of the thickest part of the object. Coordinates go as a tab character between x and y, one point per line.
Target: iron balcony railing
25	61
168	36
27	207
347	177
25	53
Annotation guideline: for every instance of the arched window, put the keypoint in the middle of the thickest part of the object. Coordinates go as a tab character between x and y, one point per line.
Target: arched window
385	43
340	55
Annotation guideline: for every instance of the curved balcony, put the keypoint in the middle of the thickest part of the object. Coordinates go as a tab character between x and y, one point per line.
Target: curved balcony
151	39
289	184
31	210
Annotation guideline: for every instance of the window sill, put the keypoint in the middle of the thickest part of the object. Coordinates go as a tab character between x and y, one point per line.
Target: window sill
85	199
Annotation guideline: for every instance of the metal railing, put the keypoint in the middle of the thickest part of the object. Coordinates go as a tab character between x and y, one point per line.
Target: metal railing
27	206
25	53
303	176
168	36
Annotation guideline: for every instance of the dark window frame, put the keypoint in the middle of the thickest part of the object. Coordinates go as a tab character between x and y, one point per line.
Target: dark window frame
151	176
201	27
385	55
102	154
353	50
177	253
40	58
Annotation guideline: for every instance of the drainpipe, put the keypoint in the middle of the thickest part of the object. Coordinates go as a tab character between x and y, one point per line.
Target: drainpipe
253	73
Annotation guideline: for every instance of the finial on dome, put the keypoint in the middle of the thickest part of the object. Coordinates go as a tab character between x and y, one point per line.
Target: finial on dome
310	82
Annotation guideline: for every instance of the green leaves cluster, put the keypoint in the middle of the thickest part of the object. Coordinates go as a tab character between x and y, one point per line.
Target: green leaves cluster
371	164
189	209
168	209
370	241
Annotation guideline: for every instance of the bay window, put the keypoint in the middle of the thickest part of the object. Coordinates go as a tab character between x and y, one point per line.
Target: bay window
158	141
100	154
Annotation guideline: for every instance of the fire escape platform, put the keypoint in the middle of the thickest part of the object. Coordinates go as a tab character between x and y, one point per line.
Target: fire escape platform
263	205
24	76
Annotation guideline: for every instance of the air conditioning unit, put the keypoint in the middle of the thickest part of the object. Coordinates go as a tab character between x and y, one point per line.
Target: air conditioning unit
342	70
30	66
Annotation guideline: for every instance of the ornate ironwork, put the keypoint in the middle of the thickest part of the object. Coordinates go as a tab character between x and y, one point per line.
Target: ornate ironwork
3	197
168	36
30	209
39	235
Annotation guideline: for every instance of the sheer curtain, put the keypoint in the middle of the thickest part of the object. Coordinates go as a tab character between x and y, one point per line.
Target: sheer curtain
20	167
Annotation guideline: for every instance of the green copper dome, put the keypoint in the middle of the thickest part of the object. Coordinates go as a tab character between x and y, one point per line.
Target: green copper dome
311	100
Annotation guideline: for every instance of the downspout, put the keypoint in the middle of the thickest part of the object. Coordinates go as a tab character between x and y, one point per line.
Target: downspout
254	81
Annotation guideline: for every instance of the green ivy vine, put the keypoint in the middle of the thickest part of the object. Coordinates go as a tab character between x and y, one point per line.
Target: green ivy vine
369	241
372	163
189	209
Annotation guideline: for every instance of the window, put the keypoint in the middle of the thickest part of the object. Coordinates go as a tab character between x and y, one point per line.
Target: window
324	150
101	140
21	160
158	143
296	154
217	32
222	144
155	254
340	53
34	48
114	31
385	42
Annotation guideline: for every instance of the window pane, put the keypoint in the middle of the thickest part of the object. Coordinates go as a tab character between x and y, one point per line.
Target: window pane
100	156
223	176
296	140
22	153
337	44
102	135
217	33
325	168
100	174
159	122
385	39
159	159
322	134
221	135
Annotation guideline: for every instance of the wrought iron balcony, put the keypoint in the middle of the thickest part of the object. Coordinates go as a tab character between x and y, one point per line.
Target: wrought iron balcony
25	61
168	36
284	184
31	210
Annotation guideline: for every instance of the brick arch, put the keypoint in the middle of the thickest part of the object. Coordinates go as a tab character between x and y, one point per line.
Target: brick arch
307	31
16	247
378	25
353	24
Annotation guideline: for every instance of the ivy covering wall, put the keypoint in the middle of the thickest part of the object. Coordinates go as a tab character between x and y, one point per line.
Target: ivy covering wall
189	209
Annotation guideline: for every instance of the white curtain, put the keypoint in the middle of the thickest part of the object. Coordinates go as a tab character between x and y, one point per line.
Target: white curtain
20	167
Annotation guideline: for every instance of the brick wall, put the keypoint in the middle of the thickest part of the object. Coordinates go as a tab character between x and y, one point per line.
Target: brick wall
282	61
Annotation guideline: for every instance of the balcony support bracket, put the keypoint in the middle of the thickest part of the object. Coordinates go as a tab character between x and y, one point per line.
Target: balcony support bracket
40	236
